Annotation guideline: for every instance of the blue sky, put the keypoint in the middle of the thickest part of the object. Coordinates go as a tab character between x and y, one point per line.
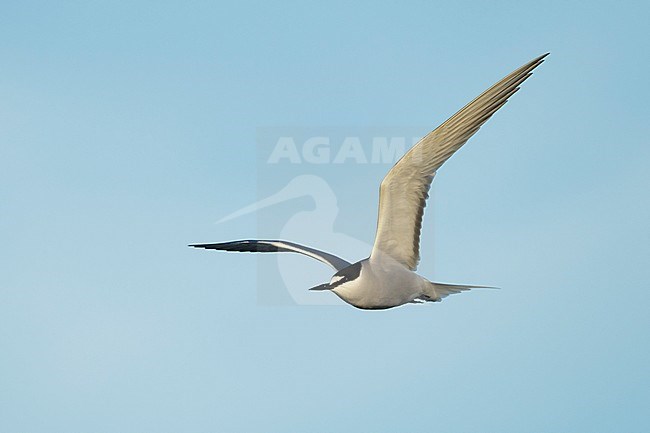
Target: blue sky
127	130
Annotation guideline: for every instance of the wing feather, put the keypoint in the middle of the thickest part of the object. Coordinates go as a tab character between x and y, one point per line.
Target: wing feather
405	189
274	246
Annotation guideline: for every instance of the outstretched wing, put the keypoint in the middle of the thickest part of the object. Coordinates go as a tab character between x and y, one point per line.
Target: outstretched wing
270	246
405	189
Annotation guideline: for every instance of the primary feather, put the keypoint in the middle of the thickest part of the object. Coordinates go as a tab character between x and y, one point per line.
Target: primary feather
405	189
273	246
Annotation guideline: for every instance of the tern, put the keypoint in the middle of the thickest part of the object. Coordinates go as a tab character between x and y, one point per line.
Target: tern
387	278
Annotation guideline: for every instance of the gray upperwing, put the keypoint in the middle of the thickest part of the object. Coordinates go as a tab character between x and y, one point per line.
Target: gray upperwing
405	189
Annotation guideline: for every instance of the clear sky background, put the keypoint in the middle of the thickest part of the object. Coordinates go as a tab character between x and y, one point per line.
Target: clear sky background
127	130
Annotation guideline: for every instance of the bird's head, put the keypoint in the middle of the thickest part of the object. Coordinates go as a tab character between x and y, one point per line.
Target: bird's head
342	277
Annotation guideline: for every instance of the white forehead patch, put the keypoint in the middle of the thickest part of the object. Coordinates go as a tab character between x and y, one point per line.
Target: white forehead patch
336	278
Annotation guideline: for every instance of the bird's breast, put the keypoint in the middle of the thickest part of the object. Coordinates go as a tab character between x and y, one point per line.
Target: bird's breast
380	288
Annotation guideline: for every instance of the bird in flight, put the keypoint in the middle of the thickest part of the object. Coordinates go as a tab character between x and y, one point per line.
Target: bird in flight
387	278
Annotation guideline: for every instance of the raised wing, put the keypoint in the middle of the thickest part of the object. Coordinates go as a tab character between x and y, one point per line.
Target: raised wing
405	189
270	246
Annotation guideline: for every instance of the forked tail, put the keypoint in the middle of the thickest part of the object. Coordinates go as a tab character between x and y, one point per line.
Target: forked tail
441	290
